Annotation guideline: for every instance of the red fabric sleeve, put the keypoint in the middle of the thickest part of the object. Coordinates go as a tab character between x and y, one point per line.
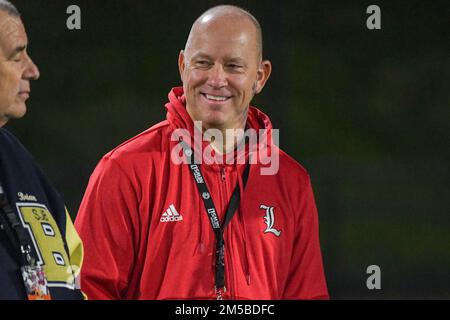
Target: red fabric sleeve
105	224
306	278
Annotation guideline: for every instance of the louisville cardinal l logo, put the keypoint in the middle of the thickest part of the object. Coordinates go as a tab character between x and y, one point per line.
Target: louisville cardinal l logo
269	219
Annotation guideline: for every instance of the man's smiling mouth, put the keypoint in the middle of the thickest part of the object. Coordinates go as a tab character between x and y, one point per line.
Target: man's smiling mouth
211	97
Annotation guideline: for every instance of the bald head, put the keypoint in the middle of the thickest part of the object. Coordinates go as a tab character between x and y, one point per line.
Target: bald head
227	14
222	68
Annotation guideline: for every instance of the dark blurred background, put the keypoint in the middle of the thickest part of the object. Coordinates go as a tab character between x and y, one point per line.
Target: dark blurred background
366	112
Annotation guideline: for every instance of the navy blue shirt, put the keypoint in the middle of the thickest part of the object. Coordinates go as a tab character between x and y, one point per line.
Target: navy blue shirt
44	217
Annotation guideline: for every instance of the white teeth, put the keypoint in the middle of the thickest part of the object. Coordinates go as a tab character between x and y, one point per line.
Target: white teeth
217	98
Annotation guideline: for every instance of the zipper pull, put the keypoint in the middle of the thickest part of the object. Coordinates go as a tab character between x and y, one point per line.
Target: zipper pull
222	172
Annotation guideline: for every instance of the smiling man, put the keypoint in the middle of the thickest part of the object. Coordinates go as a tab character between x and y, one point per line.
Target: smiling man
222	68
155	228
40	251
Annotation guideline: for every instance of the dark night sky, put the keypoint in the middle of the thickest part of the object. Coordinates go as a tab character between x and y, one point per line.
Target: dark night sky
366	112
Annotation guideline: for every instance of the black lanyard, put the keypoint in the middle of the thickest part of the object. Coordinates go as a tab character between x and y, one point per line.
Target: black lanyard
213	217
22	236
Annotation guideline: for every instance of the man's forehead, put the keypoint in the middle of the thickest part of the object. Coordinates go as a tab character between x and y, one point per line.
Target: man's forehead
12	31
229	38
229	44
232	56
224	32
229	23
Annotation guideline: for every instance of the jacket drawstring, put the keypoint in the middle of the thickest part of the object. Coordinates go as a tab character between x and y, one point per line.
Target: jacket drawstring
200	245
198	249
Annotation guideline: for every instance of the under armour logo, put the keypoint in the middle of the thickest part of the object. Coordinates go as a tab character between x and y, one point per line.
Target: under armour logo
270	220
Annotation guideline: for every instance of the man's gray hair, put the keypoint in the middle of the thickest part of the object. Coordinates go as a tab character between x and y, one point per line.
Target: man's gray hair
9	8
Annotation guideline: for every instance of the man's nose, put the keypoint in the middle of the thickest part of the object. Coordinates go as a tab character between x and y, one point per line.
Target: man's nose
31	70
217	76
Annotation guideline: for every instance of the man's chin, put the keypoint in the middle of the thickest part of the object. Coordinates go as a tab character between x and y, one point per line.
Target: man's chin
212	125
17	111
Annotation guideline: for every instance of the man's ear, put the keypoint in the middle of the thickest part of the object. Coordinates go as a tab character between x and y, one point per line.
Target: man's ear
263	74
181	64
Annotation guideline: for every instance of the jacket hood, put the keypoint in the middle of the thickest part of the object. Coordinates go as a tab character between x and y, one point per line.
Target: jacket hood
178	116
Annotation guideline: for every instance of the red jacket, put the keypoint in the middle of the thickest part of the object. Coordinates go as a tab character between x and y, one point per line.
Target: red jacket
147	235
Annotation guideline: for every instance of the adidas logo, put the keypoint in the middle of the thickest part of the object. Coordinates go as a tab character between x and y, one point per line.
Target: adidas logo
171	215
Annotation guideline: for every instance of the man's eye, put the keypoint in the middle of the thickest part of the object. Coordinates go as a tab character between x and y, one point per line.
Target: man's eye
234	66
203	63
16	58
